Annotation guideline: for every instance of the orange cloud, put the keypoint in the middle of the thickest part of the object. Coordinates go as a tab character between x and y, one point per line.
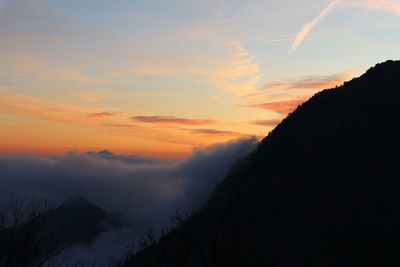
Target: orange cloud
239	74
272	122
45	108
100	115
285	89
161	131
213	132
309	83
282	107
121	125
172	120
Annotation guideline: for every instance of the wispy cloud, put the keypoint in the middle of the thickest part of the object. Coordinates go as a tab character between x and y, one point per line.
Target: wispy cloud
100	115
116	125
317	82
305	30
171	120
161	130
282	40
239	75
386	5
230	67
148	69
219	100
214	132
45	108
284	94
272	122
282	107
22	67
88	96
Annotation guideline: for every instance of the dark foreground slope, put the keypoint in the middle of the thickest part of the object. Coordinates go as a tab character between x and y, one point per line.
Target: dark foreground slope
323	189
32	236
77	221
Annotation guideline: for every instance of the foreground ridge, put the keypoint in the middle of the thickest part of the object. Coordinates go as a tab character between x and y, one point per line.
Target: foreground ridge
322	189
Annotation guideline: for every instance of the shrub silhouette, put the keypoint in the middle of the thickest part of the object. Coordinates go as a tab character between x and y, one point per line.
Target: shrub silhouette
24	240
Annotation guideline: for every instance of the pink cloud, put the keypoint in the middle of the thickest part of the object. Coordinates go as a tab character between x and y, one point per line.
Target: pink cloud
310	82
282	107
272	122
100	115
213	132
168	120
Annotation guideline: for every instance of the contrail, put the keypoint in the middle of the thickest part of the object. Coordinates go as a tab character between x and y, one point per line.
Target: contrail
308	27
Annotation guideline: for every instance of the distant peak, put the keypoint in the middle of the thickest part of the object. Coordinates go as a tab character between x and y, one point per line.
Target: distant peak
77	201
105	152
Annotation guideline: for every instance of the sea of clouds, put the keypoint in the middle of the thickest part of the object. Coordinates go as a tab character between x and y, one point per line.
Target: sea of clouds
146	191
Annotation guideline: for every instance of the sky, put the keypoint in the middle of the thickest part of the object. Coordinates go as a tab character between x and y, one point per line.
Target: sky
159	78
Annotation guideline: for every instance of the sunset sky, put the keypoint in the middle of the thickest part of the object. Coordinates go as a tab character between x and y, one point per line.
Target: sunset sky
161	77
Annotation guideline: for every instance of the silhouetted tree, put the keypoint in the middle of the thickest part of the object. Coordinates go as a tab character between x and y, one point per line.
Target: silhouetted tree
24	241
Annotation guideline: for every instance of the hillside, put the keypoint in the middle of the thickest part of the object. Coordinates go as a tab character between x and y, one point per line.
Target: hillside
32	235
77	221
322	189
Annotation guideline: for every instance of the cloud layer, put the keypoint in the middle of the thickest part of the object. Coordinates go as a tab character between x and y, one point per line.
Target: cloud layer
147	191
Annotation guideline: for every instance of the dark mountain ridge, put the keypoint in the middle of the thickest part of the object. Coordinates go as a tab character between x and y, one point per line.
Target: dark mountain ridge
322	189
77	221
33	235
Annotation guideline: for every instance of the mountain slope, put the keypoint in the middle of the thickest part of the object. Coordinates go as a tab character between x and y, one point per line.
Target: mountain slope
31	235
322	189
77	221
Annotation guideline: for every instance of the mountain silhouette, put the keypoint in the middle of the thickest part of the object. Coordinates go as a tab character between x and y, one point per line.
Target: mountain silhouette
322	189
32	235
78	221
